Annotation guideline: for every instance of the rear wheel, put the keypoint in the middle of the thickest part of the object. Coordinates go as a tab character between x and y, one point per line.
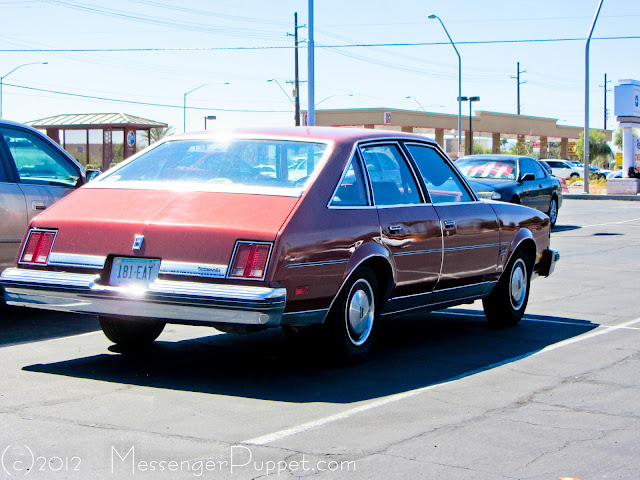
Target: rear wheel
352	320
507	302
553	211
129	332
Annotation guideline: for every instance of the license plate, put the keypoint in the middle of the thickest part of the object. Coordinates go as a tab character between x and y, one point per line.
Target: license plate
133	271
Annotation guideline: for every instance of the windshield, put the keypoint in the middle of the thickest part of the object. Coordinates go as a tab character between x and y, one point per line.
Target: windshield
244	166
487	168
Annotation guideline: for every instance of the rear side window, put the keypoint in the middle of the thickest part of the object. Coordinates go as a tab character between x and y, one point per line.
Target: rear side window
351	192
526	166
442	181
37	161
391	179
539	171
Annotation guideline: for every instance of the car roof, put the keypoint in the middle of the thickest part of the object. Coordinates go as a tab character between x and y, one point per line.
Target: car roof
337	134
493	156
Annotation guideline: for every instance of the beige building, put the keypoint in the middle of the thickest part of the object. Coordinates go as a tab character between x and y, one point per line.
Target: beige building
491	126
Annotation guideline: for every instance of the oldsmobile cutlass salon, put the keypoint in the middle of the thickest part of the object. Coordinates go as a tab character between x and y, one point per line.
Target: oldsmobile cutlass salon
280	228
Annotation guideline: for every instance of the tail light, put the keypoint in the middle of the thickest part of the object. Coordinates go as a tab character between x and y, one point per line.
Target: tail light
250	260
38	247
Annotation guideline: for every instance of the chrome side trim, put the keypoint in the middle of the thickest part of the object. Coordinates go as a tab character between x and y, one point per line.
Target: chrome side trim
174	302
418	252
74	260
193	269
316	264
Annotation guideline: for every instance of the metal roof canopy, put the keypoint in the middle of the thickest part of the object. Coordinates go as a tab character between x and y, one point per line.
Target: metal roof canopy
107	122
95	121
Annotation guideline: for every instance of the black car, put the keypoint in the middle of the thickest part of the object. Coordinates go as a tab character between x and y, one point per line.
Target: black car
514	179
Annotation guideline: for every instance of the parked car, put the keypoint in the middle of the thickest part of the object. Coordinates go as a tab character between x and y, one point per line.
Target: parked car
563	168
514	179
615	174
35	172
595	171
167	237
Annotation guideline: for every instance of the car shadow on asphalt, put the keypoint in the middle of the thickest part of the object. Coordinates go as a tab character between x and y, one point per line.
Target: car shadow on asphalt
412	353
25	325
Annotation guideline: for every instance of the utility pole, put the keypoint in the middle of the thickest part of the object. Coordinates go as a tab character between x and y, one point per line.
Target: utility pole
296	86
606	112
311	108
517	78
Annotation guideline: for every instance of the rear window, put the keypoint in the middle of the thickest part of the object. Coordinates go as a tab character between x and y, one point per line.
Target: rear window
487	168
244	166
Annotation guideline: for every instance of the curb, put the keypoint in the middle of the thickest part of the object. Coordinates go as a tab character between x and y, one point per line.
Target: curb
588	196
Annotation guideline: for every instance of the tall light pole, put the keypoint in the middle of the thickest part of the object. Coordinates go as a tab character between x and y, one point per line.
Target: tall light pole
336	95
459	81
283	90
311	109
184	105
470	100
421	107
7	74
585	140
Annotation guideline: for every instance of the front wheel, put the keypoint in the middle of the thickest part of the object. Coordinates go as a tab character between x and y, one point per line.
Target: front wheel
352	319
129	332
507	302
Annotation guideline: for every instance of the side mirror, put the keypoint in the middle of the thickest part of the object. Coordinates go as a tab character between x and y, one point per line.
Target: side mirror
91	174
527	176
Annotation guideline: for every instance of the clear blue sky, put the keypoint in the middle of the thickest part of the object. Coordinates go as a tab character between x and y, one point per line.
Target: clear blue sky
375	76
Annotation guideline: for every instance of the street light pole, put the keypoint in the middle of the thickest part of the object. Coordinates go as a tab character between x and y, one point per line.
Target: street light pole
7	74
184	104
585	140
470	100
432	16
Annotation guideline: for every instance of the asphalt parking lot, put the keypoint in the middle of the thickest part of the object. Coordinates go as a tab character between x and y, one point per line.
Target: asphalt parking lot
444	396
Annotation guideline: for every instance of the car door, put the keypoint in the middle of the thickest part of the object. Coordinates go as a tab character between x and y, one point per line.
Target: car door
44	174
529	189
409	227
545	184
471	234
13	212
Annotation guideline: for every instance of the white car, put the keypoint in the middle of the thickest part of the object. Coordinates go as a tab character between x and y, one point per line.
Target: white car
563	168
615	174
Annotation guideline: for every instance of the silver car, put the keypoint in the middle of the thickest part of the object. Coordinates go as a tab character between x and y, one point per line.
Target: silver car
35	172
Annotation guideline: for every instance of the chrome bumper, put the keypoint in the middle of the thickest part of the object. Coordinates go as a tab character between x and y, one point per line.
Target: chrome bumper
548	262
175	302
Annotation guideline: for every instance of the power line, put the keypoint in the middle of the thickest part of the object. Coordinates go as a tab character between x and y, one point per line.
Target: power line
135	102
287	47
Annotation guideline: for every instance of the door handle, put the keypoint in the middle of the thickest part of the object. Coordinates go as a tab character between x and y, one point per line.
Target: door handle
395	228
38	205
449	224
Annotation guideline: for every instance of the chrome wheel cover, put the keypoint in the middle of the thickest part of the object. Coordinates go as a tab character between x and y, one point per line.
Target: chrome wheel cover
518	284
360	312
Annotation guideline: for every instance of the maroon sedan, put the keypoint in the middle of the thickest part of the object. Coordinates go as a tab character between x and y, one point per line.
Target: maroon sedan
279	228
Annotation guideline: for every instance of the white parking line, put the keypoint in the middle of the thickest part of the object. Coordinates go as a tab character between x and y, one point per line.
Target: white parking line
288	432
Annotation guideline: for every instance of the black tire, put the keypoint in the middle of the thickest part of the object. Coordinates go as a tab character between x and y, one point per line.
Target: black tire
129	332
506	304
515	199
352	320
553	211
574	175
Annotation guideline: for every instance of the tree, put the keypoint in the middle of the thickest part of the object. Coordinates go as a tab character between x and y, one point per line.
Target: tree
158	134
617	137
599	149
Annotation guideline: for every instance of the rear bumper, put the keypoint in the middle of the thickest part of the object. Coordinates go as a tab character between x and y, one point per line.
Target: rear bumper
548	262
175	302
